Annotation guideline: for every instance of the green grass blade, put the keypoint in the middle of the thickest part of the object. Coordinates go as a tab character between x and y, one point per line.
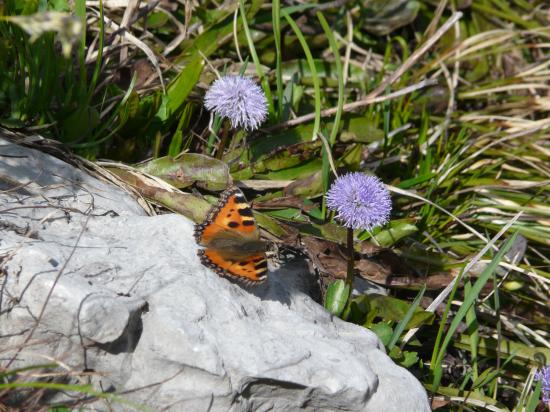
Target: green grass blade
403	323
99	60
469	300
340	75
80	12
108	122
340	105
473	332
315	77
276	18
256	60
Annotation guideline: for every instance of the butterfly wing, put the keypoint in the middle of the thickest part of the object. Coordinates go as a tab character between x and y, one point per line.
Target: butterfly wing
232	240
251	271
231	213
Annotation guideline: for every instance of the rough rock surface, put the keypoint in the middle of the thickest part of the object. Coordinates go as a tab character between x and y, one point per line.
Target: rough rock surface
131	300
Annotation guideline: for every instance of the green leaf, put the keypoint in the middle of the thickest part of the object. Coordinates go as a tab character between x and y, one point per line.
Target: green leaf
534	399
398	229
292	173
337	296
175	144
189	168
80	123
383	331
358	309
309	58
156	19
259	69
392	309
408	316
179	88
383	17
409	359
269	224
403	358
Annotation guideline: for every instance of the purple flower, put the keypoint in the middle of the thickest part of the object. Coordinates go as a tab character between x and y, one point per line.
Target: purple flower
544	376
360	201
239	99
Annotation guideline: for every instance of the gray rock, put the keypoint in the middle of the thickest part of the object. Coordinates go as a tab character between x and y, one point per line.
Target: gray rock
131	301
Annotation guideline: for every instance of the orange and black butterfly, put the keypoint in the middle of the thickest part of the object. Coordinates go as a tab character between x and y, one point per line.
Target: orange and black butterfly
231	240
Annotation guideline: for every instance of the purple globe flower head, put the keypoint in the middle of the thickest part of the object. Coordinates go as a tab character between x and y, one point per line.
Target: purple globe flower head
544	376
239	99
360	201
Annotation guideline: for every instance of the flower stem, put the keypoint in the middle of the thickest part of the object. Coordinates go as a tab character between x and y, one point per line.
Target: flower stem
351	257
223	141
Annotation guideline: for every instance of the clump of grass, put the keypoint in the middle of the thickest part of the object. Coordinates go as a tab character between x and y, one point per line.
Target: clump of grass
450	109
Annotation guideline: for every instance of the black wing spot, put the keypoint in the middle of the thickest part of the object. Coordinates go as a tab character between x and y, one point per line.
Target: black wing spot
243	263
248	223
261	265
246	212
234	224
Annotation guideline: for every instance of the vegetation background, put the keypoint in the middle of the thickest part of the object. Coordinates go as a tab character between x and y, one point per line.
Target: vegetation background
446	101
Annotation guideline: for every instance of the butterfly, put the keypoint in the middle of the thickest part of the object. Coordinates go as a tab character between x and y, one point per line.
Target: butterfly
231	240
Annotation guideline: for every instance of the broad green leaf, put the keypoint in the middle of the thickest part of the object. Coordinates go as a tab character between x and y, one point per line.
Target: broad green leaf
292	173
390	308
381	17
80	123
189	168
409	359
308	187
360	130
398	229
219	33
356	125
156	19
383	331
403	358
292	214
337	296
288	157
357	310
179	88
352	157
269	224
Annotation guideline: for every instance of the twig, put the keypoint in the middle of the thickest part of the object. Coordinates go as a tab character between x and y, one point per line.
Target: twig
347	54
352	106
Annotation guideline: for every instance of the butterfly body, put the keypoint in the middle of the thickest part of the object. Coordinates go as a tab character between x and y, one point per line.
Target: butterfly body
231	240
